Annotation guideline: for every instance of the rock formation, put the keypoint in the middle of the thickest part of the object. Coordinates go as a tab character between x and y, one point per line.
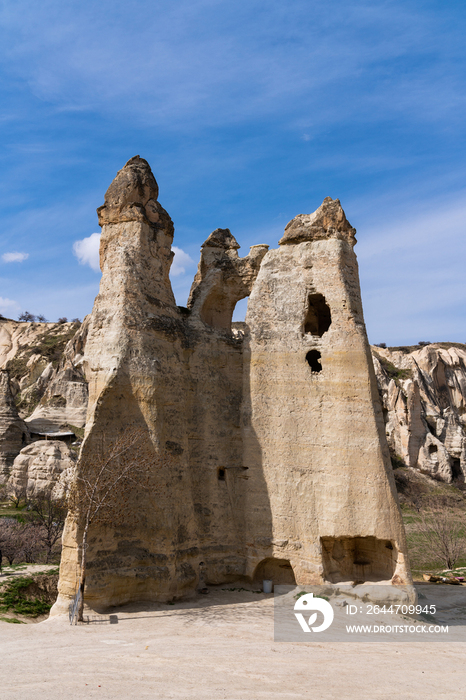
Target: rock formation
63	389
44	361
13	431
314	425
46	467
421	410
49	389
278	460
424	396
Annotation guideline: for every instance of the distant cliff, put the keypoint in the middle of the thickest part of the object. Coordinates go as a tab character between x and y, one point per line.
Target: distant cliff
44	363
423	391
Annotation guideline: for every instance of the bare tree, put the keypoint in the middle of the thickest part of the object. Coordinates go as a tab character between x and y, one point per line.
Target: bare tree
31	543
439	535
47	515
16	494
11	539
26	316
105	477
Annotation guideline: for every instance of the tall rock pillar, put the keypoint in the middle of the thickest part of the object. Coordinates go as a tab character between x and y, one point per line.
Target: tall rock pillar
134	364
321	493
14	434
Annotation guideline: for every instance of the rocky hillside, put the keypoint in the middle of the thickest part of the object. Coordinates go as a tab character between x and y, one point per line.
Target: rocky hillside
423	391
44	363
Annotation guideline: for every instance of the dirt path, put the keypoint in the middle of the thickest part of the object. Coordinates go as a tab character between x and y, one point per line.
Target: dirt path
215	647
23	569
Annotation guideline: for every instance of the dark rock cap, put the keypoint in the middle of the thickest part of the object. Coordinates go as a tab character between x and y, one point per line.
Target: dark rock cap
221	238
328	221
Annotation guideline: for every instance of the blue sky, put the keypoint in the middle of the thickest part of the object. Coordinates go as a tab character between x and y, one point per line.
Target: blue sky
249	114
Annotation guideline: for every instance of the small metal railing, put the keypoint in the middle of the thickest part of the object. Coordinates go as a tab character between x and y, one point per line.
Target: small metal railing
73	608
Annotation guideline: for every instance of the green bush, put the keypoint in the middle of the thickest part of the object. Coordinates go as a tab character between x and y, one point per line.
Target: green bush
14	597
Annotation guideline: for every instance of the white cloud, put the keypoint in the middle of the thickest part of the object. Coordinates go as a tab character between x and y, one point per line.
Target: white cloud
14	257
412	273
181	261
87	251
8	305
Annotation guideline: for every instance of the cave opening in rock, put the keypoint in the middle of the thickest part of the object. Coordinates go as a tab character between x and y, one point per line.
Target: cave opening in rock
221	474
358	559
432	449
456	471
279	571
318	316
313	360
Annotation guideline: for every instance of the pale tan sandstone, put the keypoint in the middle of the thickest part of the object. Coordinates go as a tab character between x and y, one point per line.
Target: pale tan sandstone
275	469
426	408
63	389
13	431
45	467
223	278
44	360
319	467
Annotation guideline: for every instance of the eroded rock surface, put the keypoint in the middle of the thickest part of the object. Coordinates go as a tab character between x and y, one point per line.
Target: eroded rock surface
424	397
13	431
223	278
328	221
45	365
63	389
277	458
46	467
314	430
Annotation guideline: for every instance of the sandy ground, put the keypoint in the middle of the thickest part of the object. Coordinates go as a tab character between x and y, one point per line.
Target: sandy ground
24	569
218	646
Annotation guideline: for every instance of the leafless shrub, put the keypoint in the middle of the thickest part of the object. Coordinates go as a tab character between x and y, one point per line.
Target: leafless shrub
31	543
11	539
105	479
16	494
439	534
47	515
